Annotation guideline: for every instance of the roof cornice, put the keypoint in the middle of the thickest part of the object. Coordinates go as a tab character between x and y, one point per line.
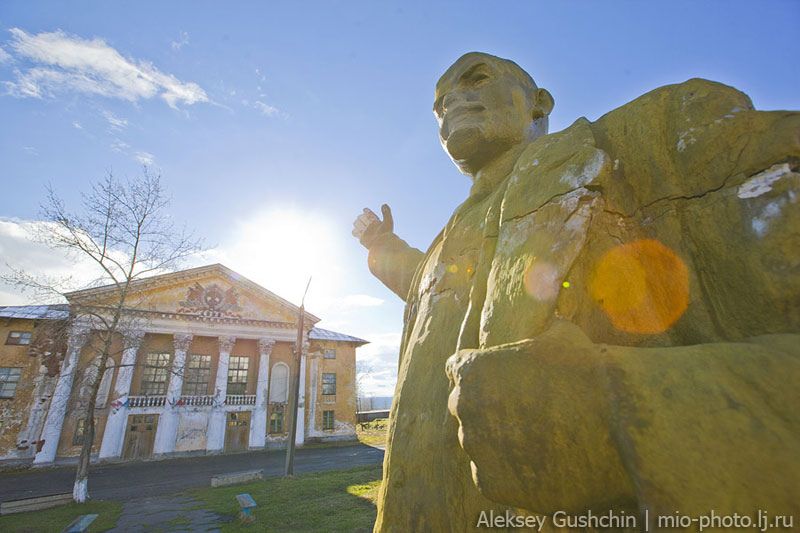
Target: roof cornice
162	280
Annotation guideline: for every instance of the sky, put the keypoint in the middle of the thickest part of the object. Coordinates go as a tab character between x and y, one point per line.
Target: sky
273	124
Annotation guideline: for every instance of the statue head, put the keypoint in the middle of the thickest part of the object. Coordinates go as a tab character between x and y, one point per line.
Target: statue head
485	106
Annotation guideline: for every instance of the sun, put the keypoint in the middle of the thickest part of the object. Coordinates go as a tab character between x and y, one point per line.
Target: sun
280	248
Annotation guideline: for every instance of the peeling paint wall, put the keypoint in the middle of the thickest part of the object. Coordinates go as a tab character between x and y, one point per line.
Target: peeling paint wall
14	412
192	428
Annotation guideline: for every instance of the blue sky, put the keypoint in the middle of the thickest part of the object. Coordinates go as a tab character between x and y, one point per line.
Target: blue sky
274	124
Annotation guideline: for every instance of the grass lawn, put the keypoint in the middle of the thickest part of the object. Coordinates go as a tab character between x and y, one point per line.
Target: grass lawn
342	500
373	433
57	518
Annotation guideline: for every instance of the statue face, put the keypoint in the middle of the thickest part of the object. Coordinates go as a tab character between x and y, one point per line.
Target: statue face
482	110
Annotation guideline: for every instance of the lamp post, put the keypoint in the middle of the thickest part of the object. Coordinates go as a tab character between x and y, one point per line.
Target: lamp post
295	387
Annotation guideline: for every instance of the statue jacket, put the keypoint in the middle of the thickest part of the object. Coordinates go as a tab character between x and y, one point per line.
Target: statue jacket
667	233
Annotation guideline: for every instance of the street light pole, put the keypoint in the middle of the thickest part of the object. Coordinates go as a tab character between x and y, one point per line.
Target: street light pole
295	387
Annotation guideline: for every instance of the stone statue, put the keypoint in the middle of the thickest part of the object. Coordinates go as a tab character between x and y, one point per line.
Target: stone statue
610	321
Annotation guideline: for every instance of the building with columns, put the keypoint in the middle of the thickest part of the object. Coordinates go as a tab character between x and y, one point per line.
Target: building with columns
201	366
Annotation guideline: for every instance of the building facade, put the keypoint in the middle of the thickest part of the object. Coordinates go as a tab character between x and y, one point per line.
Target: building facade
202	365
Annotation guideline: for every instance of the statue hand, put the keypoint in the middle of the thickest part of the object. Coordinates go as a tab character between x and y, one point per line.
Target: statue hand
367	227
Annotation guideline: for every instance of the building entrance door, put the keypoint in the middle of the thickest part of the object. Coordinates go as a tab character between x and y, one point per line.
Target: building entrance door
237	431
139	437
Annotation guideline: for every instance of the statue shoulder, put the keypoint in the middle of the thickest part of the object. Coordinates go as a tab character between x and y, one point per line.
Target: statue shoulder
554	165
696	98
689	138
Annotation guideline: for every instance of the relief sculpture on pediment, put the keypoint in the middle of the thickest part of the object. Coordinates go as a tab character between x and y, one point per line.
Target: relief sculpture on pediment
211	301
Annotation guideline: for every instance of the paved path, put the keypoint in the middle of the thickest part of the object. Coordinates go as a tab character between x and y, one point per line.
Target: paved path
167	513
138	480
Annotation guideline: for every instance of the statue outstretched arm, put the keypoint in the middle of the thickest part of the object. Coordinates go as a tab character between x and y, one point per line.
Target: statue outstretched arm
391	259
561	423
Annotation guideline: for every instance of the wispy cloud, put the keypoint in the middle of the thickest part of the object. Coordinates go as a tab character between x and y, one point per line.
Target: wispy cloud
60	62
145	158
120	146
266	109
114	121
140	156
5	57
77	125
182	41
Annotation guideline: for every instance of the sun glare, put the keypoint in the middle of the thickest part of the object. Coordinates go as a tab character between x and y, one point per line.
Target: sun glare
280	248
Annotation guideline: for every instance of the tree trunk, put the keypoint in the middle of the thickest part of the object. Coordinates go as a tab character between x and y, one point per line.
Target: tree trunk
80	490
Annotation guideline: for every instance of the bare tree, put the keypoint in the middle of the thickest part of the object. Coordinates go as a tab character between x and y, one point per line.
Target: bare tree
124	230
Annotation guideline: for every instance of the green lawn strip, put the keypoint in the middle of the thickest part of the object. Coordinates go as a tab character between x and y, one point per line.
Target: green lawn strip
342	500
56	519
373	433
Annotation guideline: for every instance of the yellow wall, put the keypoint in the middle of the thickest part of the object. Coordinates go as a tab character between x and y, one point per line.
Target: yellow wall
344	366
14	411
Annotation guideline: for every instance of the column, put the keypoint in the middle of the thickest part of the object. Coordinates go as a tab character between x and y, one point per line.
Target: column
42	391
167	430
301	398
313	392
215	439
258	419
51	433
114	434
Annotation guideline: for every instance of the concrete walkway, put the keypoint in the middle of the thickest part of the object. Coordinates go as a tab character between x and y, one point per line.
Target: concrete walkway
167	513
141	480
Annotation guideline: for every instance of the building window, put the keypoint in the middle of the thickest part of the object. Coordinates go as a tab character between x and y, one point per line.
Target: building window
329	353
198	373
80	432
276	422
19	337
9	377
237	374
279	383
329	384
327	419
156	372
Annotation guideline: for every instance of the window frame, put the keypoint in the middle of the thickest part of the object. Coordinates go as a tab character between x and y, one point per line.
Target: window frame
328	420
192	384
239	373
20	336
328	386
279	417
154	370
9	384
327	351
279	383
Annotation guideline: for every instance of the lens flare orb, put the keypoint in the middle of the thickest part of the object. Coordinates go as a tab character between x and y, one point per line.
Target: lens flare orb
642	286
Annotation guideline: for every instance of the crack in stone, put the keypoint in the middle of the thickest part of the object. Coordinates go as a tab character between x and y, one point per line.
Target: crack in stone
544	204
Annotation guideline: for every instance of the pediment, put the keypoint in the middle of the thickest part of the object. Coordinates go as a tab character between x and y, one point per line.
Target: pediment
206	292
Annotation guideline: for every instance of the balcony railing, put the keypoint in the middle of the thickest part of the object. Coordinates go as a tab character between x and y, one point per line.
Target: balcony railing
190	401
240	399
146	401
194	401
